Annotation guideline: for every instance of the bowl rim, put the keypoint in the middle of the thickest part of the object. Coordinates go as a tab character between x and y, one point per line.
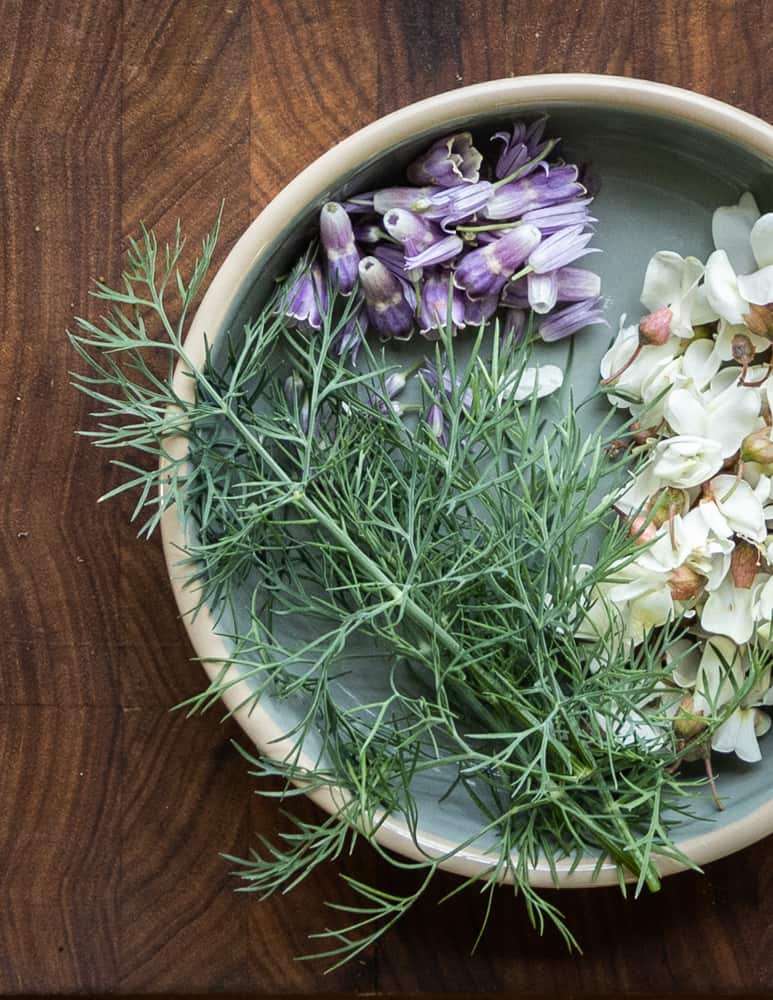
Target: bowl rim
231	282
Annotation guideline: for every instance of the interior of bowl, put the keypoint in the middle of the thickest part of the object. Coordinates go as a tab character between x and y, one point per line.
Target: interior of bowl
660	179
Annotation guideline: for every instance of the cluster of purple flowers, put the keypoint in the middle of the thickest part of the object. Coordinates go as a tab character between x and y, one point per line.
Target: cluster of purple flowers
453	247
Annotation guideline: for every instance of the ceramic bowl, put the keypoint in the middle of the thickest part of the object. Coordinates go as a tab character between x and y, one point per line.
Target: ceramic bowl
666	158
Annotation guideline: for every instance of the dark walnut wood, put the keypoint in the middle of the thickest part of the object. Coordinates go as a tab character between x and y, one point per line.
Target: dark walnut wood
112	809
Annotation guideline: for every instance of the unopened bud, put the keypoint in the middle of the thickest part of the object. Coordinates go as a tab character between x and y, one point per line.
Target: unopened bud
688	723
641	530
758	447
759	320
656	327
744	565
685	584
743	349
667	501
641	435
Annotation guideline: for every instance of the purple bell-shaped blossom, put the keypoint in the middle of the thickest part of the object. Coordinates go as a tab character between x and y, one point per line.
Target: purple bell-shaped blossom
337	235
449	161
452	205
413	199
576	284
569	320
436	423
484	271
439	253
368	232
442	381
307	299
522	144
560	249
554	217
351	334
515	294
514	325
477	311
388	310
542	291
537	191
394	261
433	317
414	232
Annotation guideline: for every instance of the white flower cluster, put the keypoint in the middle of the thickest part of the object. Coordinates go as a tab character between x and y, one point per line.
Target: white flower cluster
692	375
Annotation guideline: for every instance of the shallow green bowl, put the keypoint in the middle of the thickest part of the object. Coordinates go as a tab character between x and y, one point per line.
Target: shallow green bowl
666	158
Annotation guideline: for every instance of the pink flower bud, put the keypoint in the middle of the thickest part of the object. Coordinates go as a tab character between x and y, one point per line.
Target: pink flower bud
641	530
759	320
744	565
685	584
656	327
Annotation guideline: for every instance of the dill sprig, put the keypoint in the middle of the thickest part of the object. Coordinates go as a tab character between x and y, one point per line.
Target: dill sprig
317	531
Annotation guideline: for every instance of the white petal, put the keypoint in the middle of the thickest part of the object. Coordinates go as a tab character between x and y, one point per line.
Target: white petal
757	287
740	507
663	280
685	412
700	309
722	288
762	723
684	659
731	416
762	240
729	611
546	379
731	227
701	362
746	746
726	735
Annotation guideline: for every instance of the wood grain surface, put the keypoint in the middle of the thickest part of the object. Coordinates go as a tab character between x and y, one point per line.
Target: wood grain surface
112	809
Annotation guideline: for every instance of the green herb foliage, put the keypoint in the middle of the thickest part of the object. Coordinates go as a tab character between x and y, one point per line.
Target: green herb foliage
457	562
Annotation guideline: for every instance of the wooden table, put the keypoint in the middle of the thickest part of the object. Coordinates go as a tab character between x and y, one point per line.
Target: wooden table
113	810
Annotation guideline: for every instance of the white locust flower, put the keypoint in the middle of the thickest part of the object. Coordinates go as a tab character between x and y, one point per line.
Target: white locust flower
713	673
686	460
731	609
649	359
694	370
726	417
625	608
675	281
733	507
739	274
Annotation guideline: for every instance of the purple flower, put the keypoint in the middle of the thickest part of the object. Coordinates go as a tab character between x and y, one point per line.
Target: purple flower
351	334
484	271
555	217
451	205
536	191
542	290
335	229
477	311
359	204
414	199
439	253
307	299
520	146
449	161
576	284
394	261
297	399
443	381
438	288
567	321
561	248
514	324
414	232
515	294
388	310
368	232
437	424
